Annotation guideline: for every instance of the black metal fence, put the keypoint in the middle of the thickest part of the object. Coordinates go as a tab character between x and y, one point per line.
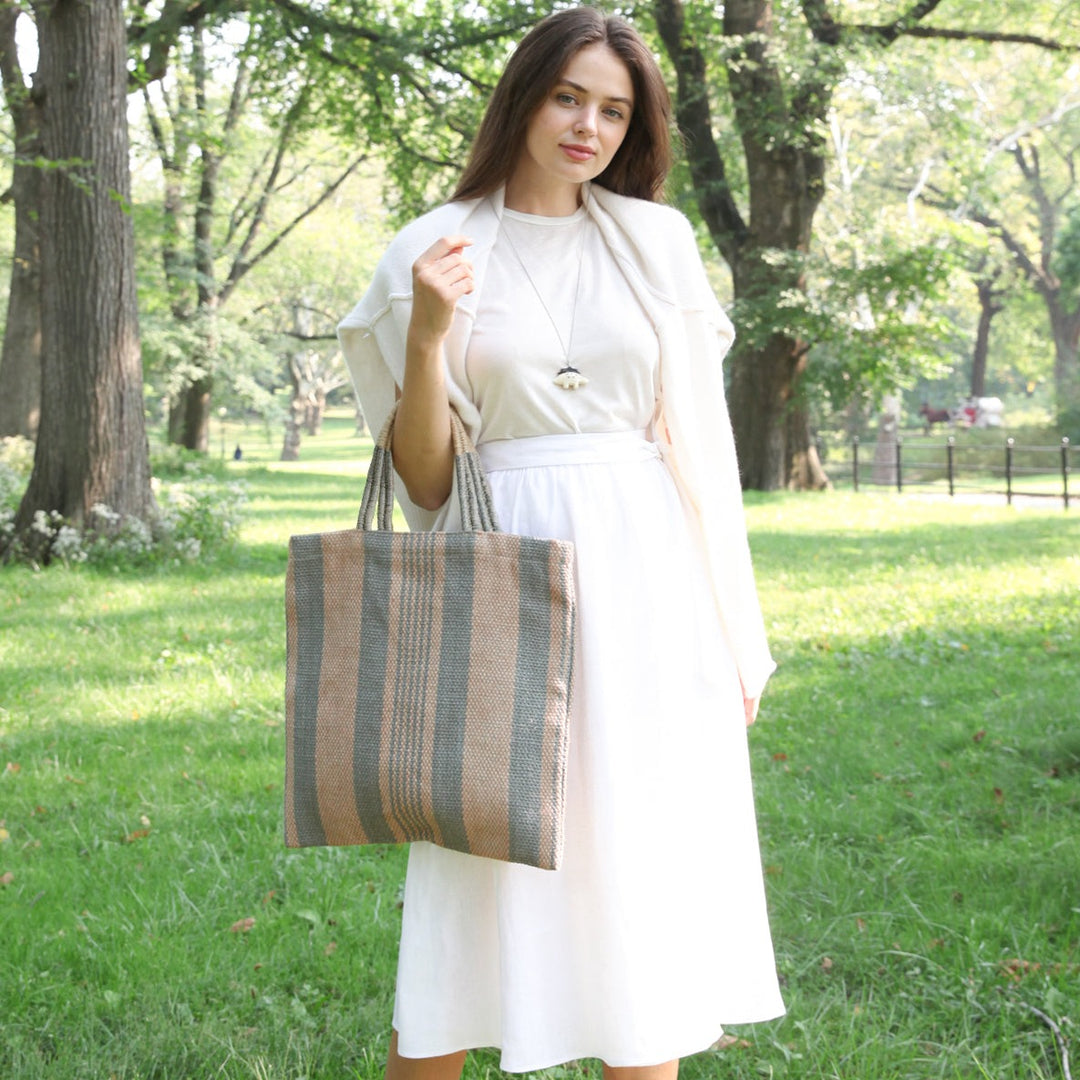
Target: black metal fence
1006	469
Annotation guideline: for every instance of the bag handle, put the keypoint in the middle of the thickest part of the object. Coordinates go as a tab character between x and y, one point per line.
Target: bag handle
474	494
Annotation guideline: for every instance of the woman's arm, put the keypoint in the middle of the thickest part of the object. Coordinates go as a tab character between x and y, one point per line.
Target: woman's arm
422	451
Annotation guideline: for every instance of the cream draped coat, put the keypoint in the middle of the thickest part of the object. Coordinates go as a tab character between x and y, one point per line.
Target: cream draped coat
655	246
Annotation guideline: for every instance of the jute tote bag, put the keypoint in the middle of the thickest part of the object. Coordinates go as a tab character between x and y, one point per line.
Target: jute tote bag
428	679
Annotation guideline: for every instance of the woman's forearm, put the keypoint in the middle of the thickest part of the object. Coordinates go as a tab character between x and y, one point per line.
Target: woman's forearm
423	456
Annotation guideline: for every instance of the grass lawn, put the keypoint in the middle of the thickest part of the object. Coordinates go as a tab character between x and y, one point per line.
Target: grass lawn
917	769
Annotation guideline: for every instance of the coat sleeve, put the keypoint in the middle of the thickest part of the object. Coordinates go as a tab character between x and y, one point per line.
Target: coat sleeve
694	429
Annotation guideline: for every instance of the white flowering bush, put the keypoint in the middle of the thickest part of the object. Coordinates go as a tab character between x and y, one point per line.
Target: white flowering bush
16	461
197	515
202	509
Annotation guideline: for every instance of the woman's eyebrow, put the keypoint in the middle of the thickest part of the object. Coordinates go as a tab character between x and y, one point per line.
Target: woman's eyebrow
581	90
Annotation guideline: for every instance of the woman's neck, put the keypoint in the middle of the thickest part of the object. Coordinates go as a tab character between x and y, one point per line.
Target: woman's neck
557	200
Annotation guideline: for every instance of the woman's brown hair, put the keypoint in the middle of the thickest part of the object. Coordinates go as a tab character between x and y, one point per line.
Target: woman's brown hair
642	162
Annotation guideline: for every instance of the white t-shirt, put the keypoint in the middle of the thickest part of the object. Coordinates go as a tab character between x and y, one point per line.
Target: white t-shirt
520	339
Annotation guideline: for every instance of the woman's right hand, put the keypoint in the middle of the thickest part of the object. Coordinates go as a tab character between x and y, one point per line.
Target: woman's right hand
441	277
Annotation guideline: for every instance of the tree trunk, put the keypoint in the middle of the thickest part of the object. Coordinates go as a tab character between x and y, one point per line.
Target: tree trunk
887	435
294	418
785	165
803	467
91	444
989	306
175	423
1066	330
20	361
194	411
313	418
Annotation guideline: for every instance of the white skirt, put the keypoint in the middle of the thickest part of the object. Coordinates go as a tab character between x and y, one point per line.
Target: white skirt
654	932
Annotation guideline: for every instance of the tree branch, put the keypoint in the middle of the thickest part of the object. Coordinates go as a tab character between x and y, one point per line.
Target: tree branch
1031	269
889	32
241	266
715	199
306	337
823	26
157	131
433	50
242	207
1031	168
238	97
159	37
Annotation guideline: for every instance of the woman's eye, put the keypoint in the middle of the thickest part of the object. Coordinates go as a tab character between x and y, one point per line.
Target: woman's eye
615	114
566	99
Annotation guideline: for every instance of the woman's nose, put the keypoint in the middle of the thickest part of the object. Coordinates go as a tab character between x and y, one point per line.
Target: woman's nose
586	120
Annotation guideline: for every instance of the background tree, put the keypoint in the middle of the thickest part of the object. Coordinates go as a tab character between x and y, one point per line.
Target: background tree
780	67
20	361
232	140
988	287
1035	254
1016	180
91	445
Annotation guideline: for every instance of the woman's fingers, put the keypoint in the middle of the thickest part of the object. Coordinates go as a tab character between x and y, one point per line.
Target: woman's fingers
444	264
441	277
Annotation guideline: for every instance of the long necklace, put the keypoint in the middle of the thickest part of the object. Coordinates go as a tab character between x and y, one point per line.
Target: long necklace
568	377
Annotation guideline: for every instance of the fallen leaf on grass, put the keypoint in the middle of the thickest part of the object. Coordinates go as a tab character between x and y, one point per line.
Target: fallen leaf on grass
726	1042
861	925
74	780
138	834
999	795
13	766
330	949
6	878
4	835
979	736
242	926
826	963
1016	969
780	756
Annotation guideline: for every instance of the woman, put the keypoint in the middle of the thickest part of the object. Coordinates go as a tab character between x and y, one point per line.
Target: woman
566	316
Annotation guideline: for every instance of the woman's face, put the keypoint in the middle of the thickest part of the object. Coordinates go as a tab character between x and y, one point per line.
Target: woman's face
576	132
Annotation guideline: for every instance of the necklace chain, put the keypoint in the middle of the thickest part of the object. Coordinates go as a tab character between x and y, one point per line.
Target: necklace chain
568	377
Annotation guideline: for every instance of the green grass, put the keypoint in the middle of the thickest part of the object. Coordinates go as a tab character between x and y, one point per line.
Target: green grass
917	769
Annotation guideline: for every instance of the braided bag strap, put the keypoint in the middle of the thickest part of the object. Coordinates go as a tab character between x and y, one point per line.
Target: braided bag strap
474	493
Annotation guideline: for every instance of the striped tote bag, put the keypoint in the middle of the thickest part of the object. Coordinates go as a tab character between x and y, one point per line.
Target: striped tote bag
428	679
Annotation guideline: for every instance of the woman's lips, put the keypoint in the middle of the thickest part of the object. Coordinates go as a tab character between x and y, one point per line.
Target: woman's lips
577	153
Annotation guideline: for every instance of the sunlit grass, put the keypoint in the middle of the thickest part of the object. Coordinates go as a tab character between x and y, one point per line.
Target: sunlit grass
917	766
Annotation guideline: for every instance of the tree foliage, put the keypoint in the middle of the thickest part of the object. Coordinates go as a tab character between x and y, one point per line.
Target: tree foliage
817	133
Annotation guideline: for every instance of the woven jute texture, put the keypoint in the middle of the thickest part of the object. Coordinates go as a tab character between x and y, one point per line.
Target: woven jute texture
428	680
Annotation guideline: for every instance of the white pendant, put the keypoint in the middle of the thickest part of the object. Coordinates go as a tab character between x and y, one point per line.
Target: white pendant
569	378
